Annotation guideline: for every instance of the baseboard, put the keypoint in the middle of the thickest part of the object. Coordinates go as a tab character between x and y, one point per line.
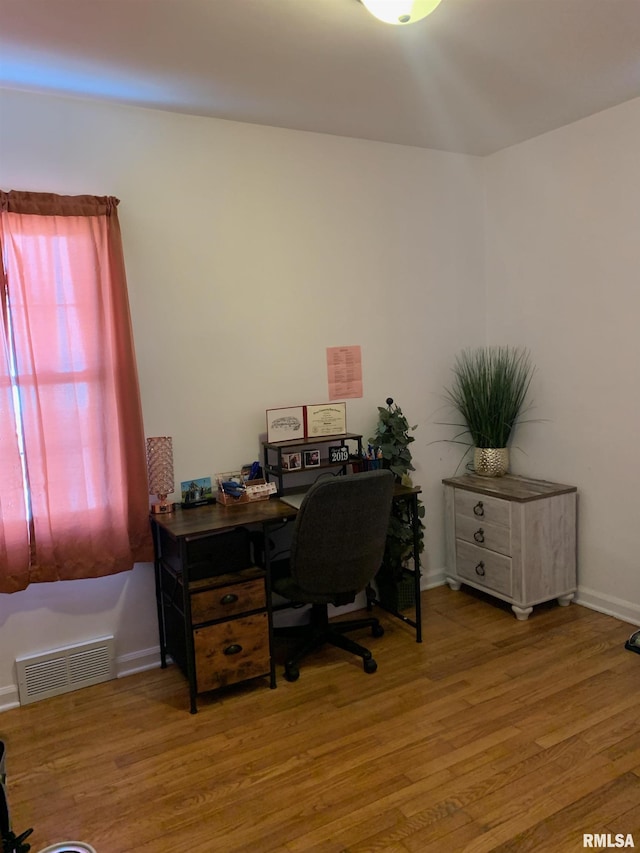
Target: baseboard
9	698
431	579
626	611
139	661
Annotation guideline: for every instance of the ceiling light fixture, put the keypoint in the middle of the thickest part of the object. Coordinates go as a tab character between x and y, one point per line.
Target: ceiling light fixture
400	12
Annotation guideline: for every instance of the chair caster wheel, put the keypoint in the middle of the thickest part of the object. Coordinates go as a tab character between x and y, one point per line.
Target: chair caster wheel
377	631
291	673
369	665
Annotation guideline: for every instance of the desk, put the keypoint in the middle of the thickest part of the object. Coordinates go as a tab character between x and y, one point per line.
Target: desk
214	606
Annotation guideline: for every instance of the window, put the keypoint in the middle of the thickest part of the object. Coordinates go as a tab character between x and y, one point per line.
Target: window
71	436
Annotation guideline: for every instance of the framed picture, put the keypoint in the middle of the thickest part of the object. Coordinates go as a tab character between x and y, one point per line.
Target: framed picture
311	458
326	419
285	424
338	454
291	461
196	492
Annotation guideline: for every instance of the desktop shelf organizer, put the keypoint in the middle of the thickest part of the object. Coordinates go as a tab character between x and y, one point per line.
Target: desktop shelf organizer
273	457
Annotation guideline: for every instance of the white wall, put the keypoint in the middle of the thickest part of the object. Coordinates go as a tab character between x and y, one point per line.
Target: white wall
563	277
250	250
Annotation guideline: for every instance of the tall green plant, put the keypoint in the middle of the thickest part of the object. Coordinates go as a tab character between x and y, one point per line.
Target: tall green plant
489	388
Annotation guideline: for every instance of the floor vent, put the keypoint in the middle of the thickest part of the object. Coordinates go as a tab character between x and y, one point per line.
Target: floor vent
63	670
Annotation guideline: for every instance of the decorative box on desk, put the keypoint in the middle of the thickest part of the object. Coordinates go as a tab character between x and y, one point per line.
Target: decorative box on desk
254	490
511	537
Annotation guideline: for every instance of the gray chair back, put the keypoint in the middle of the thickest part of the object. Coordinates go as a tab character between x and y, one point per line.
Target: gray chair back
340	531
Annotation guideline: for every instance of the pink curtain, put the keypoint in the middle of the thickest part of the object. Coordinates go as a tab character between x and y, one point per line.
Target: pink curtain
66	338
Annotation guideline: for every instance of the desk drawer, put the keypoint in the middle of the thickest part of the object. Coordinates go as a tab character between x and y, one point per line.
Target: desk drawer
217	554
483	508
231	651
483	568
483	534
225	601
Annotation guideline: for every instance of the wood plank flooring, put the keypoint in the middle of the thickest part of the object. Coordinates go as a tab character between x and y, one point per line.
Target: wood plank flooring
491	735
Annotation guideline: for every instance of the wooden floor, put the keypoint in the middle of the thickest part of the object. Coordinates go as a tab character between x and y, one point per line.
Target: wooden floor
492	735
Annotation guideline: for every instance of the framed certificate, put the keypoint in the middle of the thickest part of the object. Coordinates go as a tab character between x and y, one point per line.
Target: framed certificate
285	424
326	419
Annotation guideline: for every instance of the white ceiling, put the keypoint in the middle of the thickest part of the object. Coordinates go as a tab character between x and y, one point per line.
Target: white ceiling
474	77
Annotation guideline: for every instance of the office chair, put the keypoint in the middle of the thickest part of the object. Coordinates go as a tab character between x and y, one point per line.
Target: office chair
336	549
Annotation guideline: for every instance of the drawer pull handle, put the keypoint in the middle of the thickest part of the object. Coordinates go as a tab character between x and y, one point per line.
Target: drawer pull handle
233	649
229	598
480	569
479	535
479	509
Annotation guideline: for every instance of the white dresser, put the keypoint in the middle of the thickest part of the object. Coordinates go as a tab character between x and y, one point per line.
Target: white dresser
513	538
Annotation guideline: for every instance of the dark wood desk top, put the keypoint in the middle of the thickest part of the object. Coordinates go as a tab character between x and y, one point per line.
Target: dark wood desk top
216	518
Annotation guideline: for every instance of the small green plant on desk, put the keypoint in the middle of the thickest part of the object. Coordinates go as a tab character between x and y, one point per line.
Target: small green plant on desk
394	581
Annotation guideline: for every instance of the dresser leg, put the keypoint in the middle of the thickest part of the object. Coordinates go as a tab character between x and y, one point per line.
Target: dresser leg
522	613
454	584
565	600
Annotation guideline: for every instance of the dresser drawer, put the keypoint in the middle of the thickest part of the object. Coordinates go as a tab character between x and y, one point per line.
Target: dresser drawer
483	508
484	534
484	568
231	651
225	601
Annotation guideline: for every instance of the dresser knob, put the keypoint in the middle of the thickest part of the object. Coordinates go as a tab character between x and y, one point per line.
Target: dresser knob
479	509
479	535
229	598
233	649
480	569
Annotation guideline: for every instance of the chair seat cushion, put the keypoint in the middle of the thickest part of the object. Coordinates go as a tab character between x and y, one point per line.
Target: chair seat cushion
284	585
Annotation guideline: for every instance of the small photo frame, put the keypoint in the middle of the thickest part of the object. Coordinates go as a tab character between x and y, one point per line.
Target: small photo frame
196	492
338	454
311	458
292	461
285	424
